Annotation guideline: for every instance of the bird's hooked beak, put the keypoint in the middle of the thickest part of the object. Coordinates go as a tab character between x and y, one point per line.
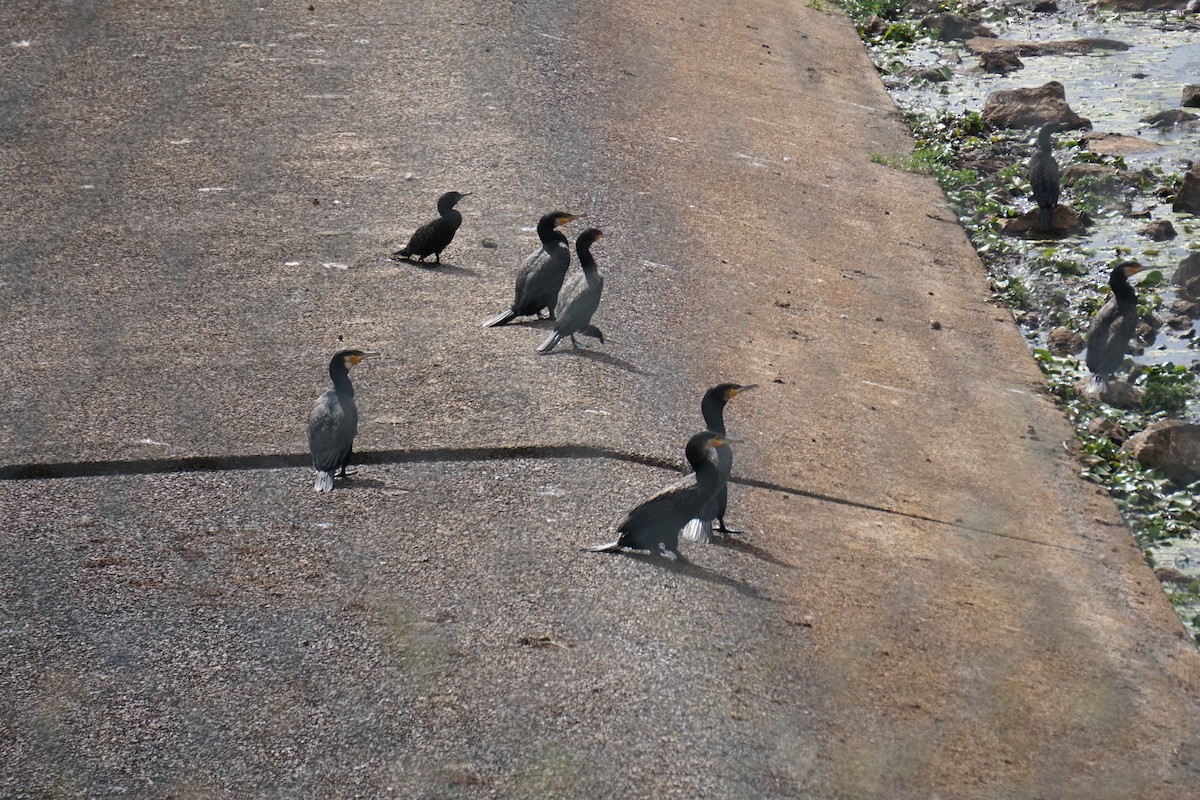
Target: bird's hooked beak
357	357
736	390
1131	268
461	195
565	218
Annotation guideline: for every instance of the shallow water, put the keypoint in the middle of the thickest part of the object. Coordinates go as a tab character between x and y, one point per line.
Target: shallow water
1165	52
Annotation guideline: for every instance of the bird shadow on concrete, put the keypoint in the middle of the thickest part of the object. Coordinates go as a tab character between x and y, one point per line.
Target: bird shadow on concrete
743	546
598	356
432	266
354	482
690	569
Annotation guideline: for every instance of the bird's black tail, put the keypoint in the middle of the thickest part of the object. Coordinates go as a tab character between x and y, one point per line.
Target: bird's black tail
502	319
551	342
1046	218
611	547
594	332
400	255
1098	384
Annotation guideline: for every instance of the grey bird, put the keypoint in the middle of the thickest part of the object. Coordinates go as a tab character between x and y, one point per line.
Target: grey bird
579	298
333	421
655	522
1112	327
434	236
712	407
541	275
1043	177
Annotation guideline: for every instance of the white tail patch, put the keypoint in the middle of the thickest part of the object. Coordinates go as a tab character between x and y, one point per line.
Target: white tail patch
698	531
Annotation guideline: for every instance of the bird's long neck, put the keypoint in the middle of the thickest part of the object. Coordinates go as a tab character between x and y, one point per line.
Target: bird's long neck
549	234
697	457
1121	289
1044	142
714	414
341	379
447	209
585	258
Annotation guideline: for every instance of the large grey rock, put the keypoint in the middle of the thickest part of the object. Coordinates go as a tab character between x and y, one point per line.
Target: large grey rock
951	27
1187	201
1032	107
1171	446
1187	274
1029	47
1191	95
1170	118
1160	230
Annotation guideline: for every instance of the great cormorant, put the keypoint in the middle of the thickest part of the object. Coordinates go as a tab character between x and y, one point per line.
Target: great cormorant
333	421
712	406
654	524
1043	177
434	236
541	275
579	298
1112	327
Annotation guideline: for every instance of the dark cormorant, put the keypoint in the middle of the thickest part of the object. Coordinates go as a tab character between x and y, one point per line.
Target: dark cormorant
1043	177
579	298
435	236
1112	327
541	275
712	406
654	524
333	421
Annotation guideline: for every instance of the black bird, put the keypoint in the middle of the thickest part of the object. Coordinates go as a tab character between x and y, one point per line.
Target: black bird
712	406
541	275
434	236
333	421
1043	177
579	298
1112	327
654	524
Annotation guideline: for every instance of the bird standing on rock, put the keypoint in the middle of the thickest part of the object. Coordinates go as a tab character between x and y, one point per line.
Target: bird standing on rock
655	522
435	236
1043	177
1112	327
541	275
579	298
333	421
712	406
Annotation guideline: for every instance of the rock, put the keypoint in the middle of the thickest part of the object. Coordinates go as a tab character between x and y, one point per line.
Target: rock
1029	47
1116	144
1065	222
874	26
1169	118
951	27
1187	274
1031	107
1171	575
1179	323
489	243
1065	341
1106	177
1044	7
1109	429
931	74
1187	200
1118	394
1171	446
1188	308
999	62
1159	230
1147	5
1191	95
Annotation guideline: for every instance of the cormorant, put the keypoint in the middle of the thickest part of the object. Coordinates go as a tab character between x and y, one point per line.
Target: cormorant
333	421
435	236
1112	327
579	298
654	524
1043	177
712	406
541	275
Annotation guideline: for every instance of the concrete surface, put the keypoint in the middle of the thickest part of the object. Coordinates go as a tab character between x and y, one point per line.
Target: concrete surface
199	202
